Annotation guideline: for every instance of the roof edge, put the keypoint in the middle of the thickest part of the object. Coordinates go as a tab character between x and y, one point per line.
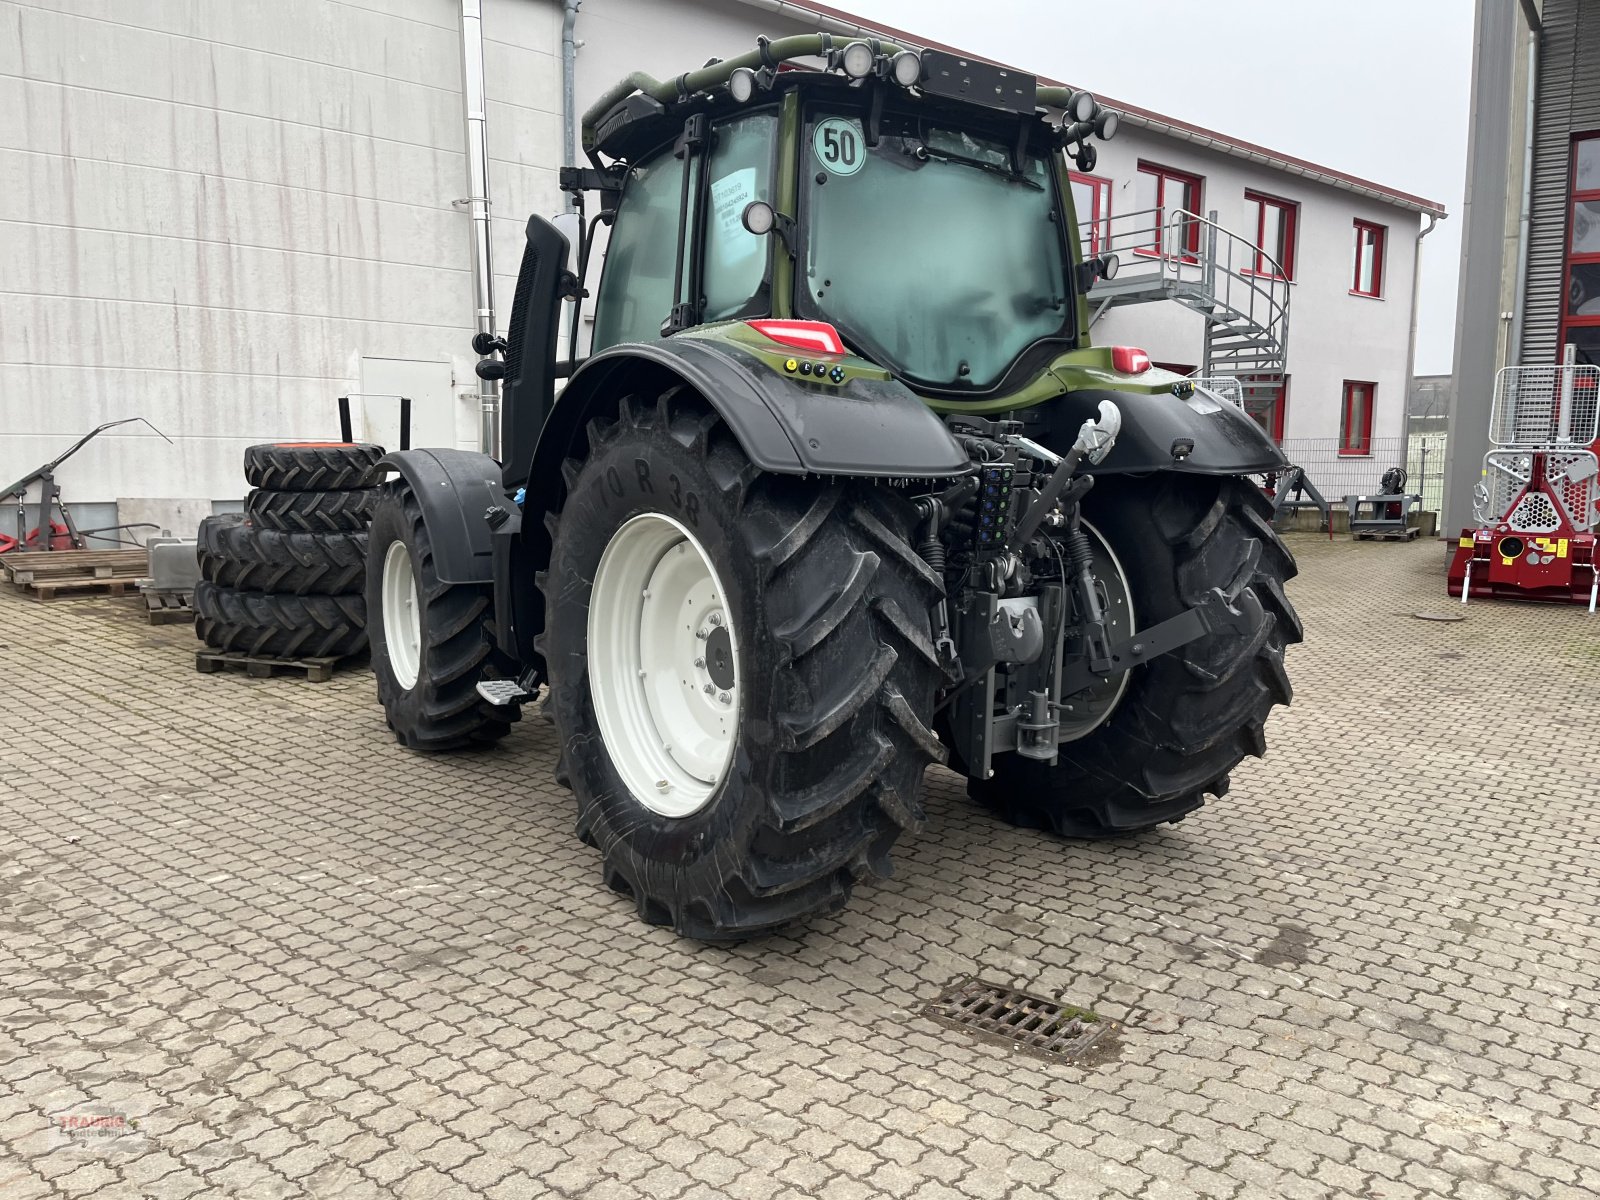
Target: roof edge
847	22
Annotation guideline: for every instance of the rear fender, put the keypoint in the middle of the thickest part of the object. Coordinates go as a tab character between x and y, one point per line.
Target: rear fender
870	428
1158	429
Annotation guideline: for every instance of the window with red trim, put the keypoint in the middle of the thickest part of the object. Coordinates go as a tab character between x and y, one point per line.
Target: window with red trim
1091	200
1370	239
1168	192
1355	417
1266	398
1580	311
1276	220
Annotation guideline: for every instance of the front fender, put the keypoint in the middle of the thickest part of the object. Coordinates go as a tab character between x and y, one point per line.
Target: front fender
1227	440
455	488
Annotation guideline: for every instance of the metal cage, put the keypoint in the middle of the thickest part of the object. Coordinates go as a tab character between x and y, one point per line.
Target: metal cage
1546	408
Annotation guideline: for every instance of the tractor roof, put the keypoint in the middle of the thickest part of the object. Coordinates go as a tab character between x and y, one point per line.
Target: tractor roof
633	113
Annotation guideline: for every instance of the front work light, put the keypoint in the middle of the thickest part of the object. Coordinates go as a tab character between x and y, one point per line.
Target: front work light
1080	106
857	60
742	84
906	68
1105	125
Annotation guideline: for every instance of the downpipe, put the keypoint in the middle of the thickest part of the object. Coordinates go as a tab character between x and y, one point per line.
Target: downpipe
477	204
569	89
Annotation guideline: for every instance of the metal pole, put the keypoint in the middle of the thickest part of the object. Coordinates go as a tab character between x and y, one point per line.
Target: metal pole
472	87
1513	353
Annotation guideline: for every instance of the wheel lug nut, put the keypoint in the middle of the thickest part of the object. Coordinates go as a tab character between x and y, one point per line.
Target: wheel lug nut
701	634
710	688
716	618
700	662
726	698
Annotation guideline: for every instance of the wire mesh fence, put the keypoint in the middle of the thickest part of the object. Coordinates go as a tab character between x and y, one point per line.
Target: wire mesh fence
1338	474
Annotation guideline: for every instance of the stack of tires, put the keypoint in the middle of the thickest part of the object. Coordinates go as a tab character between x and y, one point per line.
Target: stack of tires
284	579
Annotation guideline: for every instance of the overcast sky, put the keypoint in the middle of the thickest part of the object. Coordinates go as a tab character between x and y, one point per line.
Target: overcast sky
1377	89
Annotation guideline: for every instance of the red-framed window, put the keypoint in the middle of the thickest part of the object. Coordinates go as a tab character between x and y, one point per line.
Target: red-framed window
1167	191
1580	310
1091	199
1355	417
1276	221
1266	398
1370	240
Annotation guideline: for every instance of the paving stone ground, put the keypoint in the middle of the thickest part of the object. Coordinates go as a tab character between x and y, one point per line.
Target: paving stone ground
276	955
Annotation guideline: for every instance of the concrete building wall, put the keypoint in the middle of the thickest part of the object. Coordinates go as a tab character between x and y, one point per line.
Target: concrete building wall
214	212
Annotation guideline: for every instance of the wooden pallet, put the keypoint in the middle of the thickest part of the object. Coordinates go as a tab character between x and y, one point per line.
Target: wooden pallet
317	670
1387	535
46	574
168	608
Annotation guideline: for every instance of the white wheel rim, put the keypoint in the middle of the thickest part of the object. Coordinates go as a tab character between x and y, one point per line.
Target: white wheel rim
402	616
663	665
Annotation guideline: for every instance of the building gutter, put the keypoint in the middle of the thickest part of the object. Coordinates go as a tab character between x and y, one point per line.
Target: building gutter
477	205
569	90
1411	341
1525	217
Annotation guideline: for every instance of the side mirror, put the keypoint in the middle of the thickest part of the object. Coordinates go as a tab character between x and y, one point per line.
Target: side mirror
570	226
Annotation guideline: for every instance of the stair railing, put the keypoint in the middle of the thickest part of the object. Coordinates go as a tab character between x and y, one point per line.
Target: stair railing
1236	285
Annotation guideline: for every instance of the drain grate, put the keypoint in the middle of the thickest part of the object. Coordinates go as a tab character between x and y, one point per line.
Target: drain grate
994	1013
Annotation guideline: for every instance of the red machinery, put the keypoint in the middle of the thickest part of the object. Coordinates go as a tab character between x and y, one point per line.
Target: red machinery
1538	504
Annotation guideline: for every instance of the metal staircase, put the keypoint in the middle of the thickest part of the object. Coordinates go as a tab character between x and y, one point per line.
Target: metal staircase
1227	279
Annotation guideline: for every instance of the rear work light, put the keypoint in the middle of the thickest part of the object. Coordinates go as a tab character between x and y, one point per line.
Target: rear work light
1130	360
818	337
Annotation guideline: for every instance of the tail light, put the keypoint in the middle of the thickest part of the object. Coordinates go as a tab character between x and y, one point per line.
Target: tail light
817	337
1130	360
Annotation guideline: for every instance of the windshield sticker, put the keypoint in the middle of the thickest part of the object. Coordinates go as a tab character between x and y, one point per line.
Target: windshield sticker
730	195
838	146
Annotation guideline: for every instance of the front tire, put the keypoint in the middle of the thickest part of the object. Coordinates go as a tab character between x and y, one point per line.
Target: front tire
829	672
431	641
1186	719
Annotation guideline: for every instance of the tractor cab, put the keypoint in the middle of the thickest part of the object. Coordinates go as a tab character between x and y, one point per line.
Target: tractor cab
934	233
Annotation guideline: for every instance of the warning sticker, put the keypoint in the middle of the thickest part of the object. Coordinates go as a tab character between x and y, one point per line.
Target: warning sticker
838	145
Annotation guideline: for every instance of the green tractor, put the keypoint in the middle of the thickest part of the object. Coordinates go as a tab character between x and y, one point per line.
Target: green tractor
841	490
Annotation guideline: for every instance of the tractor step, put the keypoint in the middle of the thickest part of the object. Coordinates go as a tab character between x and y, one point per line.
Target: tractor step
501	692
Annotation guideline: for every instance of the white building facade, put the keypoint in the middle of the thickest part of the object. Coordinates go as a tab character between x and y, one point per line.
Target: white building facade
222	217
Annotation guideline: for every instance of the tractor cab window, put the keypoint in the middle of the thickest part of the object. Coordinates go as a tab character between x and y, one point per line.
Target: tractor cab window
739	172
938	252
636	287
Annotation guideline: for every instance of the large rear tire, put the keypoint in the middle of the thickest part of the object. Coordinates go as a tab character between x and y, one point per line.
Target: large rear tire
1186	719
431	641
798	783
